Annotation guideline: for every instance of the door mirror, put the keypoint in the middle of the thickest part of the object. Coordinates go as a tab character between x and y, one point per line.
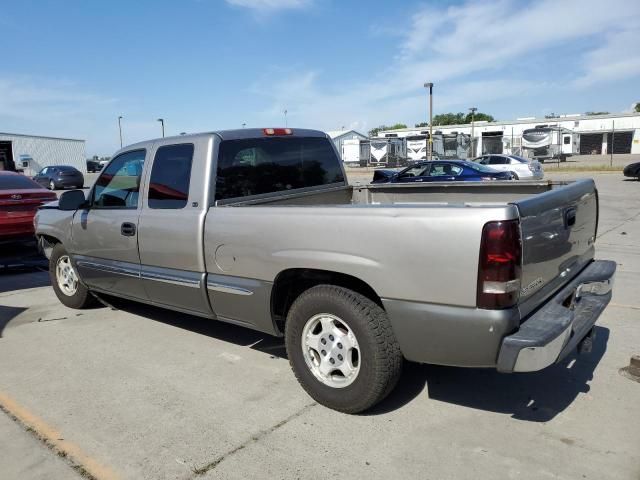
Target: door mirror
72	200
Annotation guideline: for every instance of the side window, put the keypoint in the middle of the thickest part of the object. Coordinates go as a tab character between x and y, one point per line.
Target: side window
416	171
567	140
170	176
495	160
118	185
445	170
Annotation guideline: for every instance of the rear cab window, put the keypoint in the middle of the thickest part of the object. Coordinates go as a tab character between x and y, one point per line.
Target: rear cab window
259	166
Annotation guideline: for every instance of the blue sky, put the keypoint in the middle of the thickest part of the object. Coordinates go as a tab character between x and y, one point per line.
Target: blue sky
70	68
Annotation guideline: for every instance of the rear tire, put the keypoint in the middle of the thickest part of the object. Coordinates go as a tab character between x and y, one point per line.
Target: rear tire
66	282
515	176
357	328
52	186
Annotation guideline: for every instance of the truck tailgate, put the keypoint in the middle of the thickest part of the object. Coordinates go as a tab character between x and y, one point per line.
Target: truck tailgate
558	235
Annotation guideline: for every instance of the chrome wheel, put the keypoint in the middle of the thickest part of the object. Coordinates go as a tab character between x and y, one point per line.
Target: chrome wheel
66	276
331	350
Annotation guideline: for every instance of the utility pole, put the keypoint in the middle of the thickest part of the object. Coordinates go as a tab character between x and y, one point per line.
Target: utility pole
120	129
430	87
613	136
161	120
473	146
285	117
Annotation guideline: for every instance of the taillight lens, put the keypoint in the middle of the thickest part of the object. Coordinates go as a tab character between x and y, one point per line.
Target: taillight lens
499	267
277	131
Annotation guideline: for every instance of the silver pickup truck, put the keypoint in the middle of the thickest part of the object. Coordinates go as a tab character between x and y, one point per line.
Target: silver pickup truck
260	228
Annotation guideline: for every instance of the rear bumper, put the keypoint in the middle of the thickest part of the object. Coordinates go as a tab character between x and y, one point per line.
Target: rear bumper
561	324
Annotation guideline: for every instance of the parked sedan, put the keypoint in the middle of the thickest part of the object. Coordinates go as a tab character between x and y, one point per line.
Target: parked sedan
20	197
60	176
521	168
441	171
632	170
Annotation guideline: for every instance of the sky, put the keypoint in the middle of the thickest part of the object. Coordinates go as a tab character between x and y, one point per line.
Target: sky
69	68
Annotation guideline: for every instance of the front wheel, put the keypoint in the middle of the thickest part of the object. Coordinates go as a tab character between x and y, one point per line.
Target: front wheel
341	348
65	281
52	186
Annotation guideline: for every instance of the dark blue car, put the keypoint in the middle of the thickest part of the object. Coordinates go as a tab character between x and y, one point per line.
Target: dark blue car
441	171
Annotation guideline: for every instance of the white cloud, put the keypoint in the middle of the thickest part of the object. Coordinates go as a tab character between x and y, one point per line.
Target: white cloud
453	46
269	5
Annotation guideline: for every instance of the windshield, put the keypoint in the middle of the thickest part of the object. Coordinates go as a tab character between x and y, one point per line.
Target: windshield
17	182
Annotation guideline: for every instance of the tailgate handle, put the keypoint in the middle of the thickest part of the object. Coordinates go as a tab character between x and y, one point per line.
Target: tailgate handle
570	217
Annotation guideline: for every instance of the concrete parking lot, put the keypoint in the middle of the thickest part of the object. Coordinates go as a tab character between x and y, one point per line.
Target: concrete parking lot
137	392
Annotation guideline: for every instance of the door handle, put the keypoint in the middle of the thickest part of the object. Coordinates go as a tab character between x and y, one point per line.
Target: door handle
570	217
128	229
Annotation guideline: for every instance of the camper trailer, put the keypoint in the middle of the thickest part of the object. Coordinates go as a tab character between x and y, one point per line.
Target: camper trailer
549	142
388	152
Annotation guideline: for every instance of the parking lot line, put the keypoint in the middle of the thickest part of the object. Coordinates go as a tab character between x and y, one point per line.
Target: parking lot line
53	439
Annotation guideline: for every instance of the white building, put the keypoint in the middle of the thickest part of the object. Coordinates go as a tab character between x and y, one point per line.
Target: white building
31	153
340	136
595	132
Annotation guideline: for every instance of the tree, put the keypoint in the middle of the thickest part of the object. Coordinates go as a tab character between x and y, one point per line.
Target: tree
637	107
422	124
374	131
460	118
596	113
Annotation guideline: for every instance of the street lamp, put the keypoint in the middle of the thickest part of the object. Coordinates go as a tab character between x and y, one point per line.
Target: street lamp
120	129
473	111
430	87
285	118
161	120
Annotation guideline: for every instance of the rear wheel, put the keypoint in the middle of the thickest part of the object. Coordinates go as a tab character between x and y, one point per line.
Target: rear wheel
515	176
52	185
341	348
65	281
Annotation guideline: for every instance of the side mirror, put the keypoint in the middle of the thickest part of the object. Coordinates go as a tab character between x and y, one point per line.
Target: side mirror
72	200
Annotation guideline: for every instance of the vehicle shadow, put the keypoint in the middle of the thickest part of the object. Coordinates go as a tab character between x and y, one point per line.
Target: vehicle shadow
226	332
7	314
533	397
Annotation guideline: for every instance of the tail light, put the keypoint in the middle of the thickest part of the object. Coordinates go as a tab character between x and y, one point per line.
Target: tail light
499	268
271	132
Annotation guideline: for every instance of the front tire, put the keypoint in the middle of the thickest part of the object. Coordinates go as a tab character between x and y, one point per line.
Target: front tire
66	282
52	186
341	348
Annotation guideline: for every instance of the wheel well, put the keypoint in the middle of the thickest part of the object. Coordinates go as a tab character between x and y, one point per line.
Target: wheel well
289	284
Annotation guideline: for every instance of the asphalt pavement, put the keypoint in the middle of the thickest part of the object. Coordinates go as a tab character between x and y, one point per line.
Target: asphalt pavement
143	393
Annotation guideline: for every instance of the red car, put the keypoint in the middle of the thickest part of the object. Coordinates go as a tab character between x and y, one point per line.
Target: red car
20	197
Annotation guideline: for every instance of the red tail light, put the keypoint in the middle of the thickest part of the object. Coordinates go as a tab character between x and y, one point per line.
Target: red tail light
271	132
499	266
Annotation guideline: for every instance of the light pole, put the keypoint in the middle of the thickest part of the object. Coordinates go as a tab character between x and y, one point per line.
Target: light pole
244	125
430	87
120	129
285	118
473	111
161	120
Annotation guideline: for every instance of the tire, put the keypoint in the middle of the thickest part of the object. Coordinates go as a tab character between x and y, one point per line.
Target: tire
378	357
515	176
52	185
78	297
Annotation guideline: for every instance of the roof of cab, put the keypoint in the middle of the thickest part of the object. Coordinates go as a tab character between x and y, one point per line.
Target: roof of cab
237	134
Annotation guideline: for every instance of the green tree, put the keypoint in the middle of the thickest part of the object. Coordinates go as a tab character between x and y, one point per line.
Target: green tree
637	107
374	131
422	124
460	118
596	113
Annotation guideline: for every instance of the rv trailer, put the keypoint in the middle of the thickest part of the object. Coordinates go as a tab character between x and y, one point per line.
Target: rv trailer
549	142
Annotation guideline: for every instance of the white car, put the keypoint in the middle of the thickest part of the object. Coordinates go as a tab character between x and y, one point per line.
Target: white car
522	168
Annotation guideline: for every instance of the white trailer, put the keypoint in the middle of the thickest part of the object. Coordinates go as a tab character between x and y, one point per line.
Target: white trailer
351	151
549	142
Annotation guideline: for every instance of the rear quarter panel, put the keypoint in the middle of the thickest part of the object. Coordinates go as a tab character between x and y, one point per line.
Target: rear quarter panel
423	254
